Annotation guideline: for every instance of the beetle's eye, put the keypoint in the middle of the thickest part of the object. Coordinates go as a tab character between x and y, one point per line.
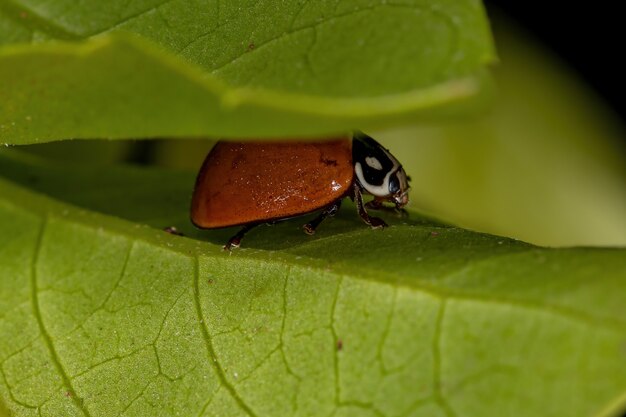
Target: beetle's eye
394	184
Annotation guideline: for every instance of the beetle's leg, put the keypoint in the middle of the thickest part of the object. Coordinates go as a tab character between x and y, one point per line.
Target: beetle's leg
235	241
375	205
374	222
329	211
378	205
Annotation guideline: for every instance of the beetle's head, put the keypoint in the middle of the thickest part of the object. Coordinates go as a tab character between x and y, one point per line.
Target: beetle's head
378	172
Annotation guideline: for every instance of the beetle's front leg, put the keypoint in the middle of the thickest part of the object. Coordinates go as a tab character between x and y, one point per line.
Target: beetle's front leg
329	211
374	222
378	205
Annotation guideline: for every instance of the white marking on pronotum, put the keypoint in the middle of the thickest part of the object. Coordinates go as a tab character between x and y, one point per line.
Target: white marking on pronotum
376	190
372	162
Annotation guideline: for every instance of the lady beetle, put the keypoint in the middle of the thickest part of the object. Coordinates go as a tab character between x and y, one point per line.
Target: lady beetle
250	183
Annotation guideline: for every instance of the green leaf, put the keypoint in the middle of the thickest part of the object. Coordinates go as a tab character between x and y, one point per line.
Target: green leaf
104	316
235	69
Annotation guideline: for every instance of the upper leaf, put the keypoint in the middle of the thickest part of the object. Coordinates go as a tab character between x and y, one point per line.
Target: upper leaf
236	68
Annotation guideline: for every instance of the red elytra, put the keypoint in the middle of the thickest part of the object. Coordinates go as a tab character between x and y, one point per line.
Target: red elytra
249	183
245	182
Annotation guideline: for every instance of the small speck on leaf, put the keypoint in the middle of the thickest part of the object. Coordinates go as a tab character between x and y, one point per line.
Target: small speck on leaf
173	231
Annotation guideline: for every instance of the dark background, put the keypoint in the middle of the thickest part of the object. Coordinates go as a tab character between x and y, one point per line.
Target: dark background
588	37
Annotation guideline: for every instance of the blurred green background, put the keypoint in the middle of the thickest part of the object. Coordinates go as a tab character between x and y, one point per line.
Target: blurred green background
546	164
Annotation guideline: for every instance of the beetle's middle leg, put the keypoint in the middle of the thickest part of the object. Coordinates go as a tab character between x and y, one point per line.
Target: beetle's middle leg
329	211
235	241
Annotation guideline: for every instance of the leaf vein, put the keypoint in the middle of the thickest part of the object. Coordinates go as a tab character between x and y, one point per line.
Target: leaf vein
131	17
213	360
294	401
336	342
422	286
282	327
208	402
138	397
12	396
54	356
28	345
364	406
437	358
116	358
385	335
313	26
27	18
